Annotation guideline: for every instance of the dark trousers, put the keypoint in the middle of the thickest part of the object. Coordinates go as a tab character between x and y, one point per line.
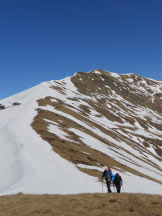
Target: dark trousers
118	187
108	186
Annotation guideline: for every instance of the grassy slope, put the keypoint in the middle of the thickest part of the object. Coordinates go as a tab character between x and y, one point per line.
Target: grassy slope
91	84
83	204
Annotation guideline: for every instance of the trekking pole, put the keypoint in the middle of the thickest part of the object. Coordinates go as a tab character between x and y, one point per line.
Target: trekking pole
102	186
122	187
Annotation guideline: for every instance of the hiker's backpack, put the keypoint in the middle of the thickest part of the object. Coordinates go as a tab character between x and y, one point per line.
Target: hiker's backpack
107	175
117	179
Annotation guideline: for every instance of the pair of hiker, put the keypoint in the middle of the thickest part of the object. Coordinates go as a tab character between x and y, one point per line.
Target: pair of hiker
110	178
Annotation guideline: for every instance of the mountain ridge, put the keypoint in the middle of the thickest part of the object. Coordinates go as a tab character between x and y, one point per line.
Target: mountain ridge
92	120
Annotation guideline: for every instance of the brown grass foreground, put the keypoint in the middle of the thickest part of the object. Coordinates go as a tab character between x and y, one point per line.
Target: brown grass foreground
81	205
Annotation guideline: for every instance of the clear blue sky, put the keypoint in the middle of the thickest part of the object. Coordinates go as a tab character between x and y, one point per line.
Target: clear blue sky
43	40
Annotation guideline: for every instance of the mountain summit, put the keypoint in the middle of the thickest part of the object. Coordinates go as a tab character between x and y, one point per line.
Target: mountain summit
58	137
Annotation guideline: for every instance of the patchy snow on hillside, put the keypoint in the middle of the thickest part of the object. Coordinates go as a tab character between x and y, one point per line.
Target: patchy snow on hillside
29	164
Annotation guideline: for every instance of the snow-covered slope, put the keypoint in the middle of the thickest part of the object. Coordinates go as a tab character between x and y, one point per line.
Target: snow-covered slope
57	137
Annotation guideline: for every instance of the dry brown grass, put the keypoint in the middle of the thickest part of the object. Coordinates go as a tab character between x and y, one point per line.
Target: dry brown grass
71	151
75	150
81	205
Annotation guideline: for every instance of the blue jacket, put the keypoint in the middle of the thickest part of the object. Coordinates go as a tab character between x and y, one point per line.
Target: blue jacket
110	172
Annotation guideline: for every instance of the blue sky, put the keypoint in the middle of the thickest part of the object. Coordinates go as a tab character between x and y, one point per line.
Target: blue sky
42	40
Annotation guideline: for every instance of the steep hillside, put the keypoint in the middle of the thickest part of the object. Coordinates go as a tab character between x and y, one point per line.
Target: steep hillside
90	120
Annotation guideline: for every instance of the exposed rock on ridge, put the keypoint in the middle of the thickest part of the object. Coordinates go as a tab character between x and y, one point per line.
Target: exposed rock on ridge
105	119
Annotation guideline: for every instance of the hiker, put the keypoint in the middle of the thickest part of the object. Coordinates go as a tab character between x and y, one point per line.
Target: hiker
109	177
117	182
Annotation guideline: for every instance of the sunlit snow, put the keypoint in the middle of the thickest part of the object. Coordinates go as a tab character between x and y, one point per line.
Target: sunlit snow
29	164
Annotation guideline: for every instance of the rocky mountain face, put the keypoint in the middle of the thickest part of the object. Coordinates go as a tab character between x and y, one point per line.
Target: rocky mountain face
105	119
99	119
